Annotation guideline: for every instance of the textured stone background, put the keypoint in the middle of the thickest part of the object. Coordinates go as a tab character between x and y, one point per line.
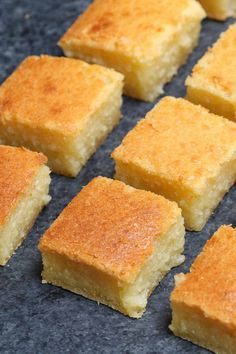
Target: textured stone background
37	318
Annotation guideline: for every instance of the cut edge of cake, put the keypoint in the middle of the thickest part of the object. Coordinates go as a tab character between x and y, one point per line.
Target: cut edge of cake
128	298
21	219
141	80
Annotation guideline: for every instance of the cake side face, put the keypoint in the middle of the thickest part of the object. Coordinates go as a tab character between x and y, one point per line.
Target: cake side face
172	152
24	184
211	83
203	301
92	283
219	9
57	93
18	167
136	38
167	254
66	114
104	239
126	235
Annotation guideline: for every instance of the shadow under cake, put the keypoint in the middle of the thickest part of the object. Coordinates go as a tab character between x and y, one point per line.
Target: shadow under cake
113	244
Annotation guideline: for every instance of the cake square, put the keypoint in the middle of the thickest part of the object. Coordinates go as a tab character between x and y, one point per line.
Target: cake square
146	40
113	244
219	9
213	80
61	107
24	184
182	152
204	300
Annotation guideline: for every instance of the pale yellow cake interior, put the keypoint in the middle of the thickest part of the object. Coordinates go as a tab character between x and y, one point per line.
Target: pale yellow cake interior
67	154
130	299
219	9
209	97
20	221
142	80
148	50
197	328
192	324
196	208
212	81
203	300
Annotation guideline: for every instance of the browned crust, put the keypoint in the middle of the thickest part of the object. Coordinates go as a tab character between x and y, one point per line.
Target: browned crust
18	167
216	69
111	227
134	27
210	287
180	142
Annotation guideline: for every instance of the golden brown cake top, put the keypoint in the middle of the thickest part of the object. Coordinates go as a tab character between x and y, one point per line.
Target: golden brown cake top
135	27
18	168
210	287
111	226
216	70
55	93
180	142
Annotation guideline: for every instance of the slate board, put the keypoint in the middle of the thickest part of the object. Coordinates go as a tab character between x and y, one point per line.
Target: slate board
36	318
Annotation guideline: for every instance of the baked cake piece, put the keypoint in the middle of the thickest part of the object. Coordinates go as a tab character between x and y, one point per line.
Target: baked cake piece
146	40
184	153
113	244
213	80
204	300
62	107
219	9
24	183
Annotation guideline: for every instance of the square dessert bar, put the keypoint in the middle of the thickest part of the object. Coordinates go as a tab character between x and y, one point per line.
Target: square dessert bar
24	183
204	300
219	9
213	80
113	244
146	40
182	152
62	107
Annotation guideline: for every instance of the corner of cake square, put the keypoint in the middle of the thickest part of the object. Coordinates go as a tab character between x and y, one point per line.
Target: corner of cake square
62	107
203	300
113	244
146	40
24	187
182	152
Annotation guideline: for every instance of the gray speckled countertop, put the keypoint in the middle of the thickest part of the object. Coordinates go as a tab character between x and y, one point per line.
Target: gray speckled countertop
36	318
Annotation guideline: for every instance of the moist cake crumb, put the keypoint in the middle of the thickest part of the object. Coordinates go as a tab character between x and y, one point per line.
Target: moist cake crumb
182	152
113	244
61	107
146	40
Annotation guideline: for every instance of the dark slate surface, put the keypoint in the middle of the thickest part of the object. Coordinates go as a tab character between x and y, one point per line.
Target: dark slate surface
36	318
